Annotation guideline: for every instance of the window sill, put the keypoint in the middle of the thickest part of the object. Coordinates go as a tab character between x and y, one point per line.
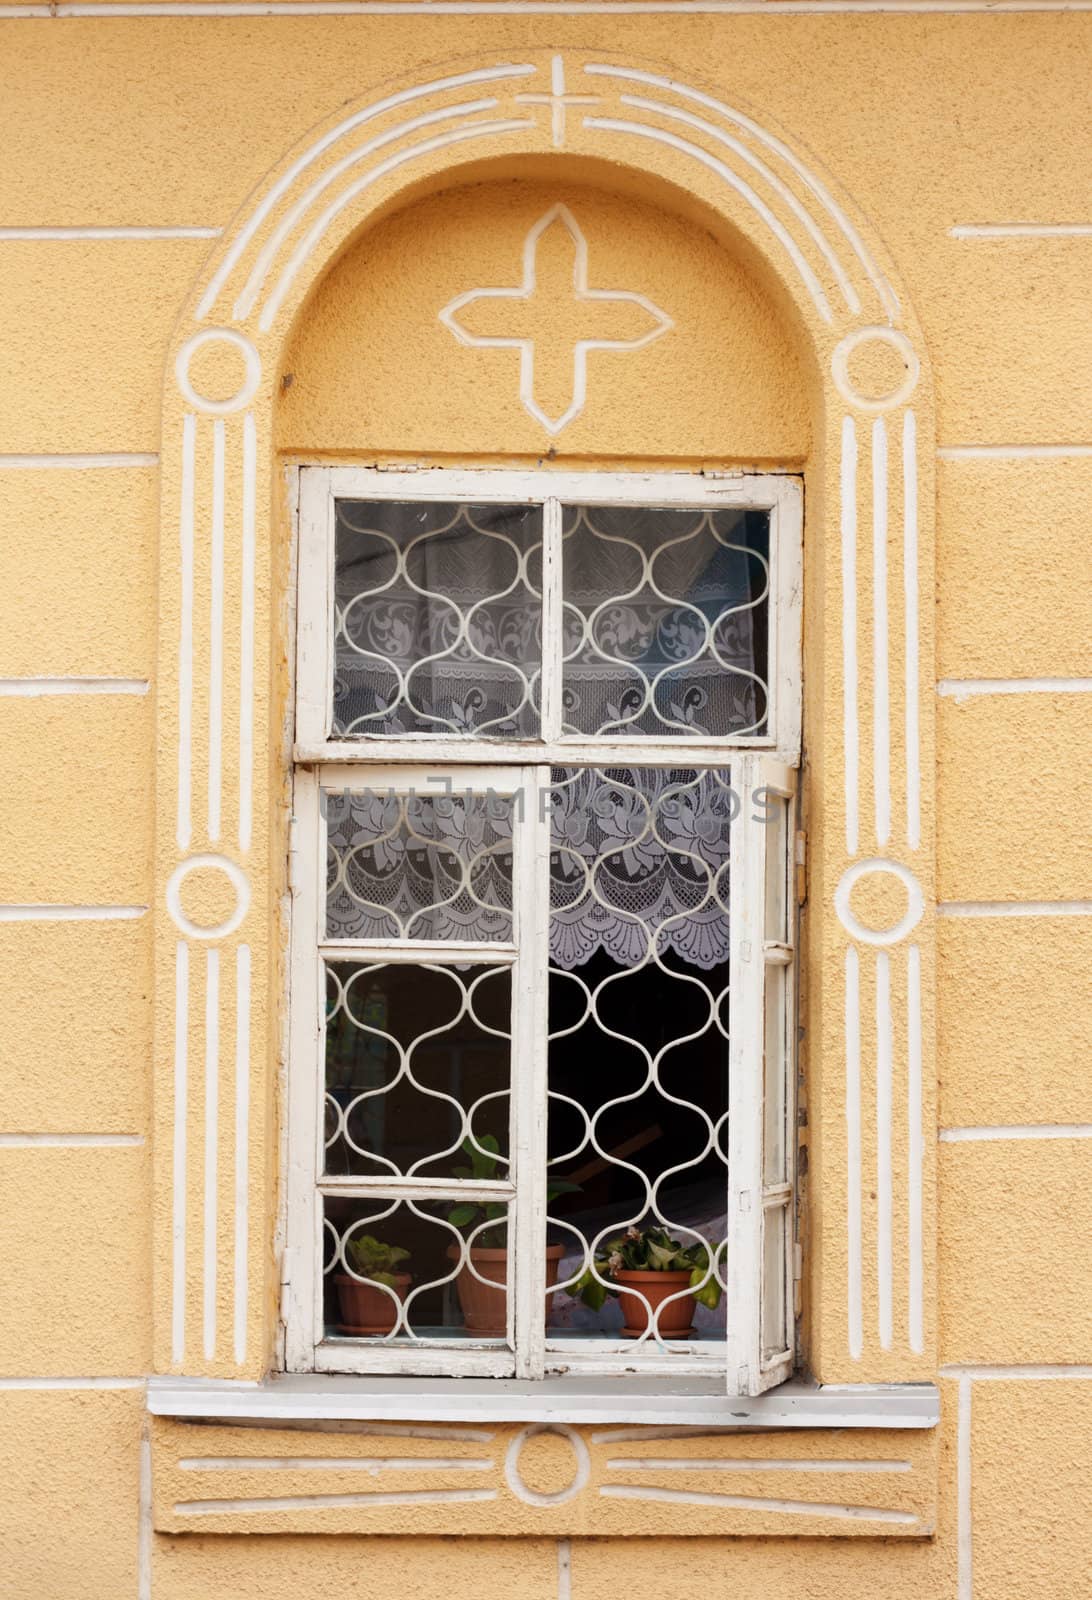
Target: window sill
681	1402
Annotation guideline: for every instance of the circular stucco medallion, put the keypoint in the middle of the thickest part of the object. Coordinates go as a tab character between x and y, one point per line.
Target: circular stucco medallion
233	354
860	873
546	1464
875	369
216	901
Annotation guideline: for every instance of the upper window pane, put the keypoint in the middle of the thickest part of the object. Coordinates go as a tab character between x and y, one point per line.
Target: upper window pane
414	866
666	622
437	618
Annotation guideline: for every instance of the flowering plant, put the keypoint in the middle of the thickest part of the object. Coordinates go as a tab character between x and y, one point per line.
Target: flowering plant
648	1250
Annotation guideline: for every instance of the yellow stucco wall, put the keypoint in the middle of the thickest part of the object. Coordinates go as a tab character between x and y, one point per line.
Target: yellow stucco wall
919	124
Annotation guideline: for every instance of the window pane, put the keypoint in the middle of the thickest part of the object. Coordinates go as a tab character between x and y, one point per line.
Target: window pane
638	1063
417	1062
418	866
666	618
437	618
450	1284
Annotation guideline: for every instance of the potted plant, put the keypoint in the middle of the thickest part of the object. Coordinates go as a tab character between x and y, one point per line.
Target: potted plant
485	1305
366	1308
645	1268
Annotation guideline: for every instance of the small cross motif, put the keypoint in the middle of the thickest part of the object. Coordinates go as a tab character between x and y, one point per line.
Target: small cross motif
558	100
549	317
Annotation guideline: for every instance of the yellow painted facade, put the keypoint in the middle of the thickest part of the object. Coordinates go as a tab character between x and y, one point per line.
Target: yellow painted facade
805	197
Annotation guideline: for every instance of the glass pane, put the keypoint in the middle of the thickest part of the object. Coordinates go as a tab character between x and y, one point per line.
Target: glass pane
400	1268
418	866
776	1164
638	1063
437	618
666	615
775	1336
417	1063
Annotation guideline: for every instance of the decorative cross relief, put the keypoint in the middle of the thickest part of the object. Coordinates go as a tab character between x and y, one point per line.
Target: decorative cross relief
558	100
553	301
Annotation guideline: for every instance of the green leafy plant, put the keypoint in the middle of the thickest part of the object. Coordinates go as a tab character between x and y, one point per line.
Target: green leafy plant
648	1250
484	1157
371	1258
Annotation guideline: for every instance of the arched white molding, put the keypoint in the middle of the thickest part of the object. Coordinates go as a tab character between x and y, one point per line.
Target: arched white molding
216	486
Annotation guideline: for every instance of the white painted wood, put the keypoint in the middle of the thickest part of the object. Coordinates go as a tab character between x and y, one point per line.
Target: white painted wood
746	1029
623	1406
442	750
302	1286
527	1227
441	764
315	609
452	952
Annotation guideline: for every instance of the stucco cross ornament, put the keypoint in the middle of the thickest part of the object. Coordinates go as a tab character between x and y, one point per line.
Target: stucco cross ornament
554	319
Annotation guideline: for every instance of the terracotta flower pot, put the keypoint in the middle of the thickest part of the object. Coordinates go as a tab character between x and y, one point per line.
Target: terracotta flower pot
485	1308
656	1287
366	1307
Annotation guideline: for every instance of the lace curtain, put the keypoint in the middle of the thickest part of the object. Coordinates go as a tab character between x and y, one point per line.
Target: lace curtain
638	866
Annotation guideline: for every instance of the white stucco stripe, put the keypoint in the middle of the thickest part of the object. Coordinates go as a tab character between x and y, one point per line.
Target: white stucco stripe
335	1464
538	8
109	233
910	585
144	1515
884	1094
1041	1130
242	1147
32	687
642	130
1022	230
69	1141
72	1383
958	689
330	1502
841	277
854	1295
180	1111
424	147
887	295
850	723
1011	452
881	692
564	1569
212	1141
185	631
246	630
71	913
1034	1374
748	1502
284	183
915	1152
752	1464
1015	908
216	628
77	463
964	1564
255	282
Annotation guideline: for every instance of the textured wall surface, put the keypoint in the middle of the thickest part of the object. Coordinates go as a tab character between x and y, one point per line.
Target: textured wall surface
963	140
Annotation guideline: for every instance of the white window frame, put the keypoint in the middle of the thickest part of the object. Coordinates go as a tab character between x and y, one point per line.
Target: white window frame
758	763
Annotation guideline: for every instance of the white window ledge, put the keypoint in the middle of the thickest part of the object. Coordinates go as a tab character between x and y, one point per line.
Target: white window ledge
680	1402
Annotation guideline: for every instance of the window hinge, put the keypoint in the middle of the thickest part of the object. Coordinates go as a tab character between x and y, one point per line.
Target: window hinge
800	866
